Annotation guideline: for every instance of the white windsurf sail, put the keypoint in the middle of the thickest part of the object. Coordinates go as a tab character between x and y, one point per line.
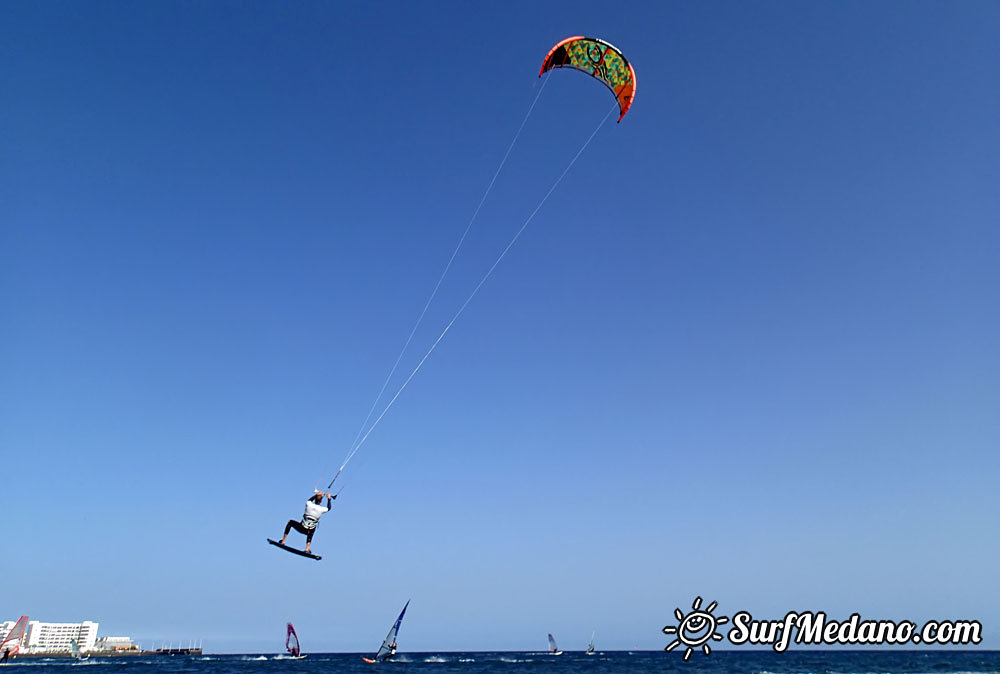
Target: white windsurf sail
552	645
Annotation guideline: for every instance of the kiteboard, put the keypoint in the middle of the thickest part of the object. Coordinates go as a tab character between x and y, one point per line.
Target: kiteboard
368	660
296	551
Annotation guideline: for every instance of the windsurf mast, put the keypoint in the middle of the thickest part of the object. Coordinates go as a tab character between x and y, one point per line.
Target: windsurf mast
388	648
292	641
12	640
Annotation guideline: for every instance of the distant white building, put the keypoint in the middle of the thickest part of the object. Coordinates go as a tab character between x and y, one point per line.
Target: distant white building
115	644
55	637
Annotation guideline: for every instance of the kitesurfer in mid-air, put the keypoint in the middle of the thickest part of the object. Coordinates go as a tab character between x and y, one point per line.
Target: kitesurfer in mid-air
314	510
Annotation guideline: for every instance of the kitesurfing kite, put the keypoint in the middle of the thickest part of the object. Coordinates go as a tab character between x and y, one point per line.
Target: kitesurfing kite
598	59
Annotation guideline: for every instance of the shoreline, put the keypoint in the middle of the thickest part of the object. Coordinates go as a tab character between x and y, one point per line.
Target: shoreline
65	655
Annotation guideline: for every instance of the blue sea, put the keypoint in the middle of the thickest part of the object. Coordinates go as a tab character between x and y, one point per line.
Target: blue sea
611	662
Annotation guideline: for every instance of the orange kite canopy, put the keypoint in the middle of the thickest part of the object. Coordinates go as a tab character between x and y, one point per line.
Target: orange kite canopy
599	59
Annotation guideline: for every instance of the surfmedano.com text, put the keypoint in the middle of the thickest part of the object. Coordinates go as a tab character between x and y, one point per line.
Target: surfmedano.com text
815	628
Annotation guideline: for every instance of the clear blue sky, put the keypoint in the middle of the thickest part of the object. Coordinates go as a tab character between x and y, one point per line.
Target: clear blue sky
747	350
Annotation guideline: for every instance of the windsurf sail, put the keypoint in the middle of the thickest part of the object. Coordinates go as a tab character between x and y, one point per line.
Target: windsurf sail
590	646
388	648
552	645
11	642
292	641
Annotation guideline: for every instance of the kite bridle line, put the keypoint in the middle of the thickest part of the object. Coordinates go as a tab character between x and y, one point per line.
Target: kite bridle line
475	291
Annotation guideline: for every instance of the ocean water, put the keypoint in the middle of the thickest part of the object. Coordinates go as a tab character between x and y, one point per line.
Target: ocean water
610	662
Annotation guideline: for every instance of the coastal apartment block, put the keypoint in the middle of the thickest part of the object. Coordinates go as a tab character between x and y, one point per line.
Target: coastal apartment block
55	637
44	637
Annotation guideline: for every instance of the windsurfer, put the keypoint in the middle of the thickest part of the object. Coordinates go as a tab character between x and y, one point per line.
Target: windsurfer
314	510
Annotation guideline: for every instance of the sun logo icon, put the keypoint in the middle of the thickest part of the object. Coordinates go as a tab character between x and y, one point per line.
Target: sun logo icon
695	629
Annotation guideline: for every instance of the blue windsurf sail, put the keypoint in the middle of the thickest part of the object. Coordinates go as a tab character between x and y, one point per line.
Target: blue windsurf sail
388	648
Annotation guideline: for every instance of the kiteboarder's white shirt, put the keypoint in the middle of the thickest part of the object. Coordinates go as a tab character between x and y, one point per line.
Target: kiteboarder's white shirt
313	512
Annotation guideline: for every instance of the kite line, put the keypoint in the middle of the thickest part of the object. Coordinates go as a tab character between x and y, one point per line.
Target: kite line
437	286
360	439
